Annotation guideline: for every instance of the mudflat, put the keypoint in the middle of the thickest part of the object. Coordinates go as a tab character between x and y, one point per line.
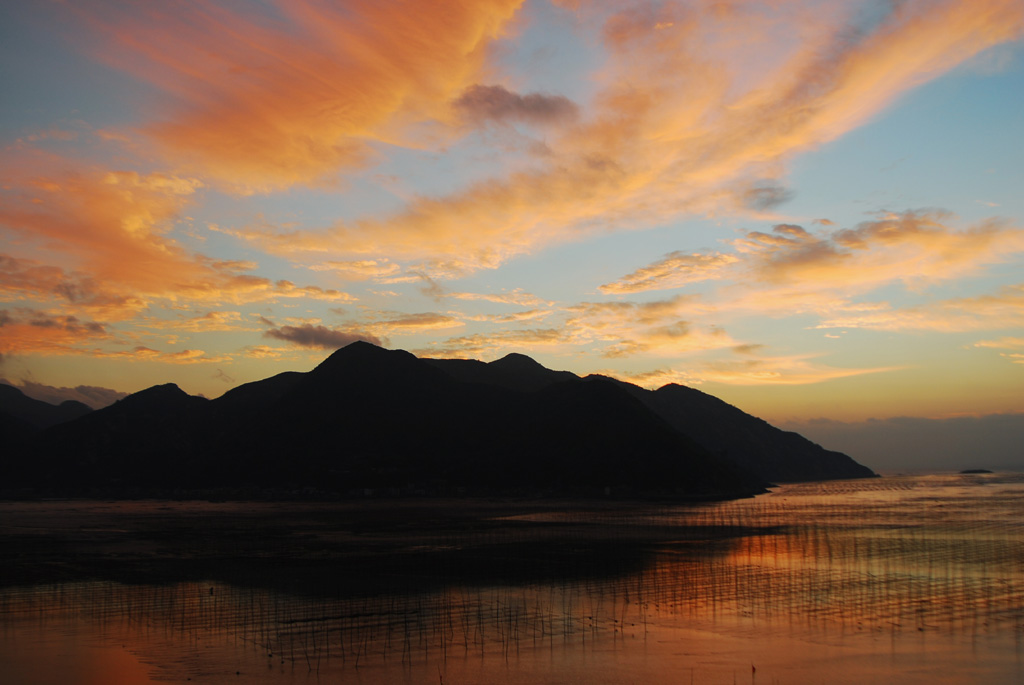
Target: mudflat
311	545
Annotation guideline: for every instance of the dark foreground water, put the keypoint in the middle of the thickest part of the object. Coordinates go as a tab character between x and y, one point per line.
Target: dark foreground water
903	579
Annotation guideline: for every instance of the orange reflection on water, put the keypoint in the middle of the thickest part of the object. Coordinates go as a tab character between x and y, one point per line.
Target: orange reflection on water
924	580
68	653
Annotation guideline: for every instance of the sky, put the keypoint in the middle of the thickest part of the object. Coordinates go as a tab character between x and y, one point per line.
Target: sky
812	209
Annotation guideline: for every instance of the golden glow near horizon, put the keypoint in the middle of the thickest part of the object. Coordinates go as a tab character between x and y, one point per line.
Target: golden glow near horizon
808	208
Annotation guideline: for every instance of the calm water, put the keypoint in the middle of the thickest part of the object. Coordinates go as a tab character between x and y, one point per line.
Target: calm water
908	579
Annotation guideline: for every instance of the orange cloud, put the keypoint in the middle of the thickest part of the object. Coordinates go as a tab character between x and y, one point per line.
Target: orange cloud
33	281
784	370
914	247
107	238
1006	343
111	224
697	110
1002	310
204	323
529	315
655	379
1002	343
265	101
791	270
27	331
33	332
623	329
422	321
264	352
515	296
484	345
360	269
614	329
672	271
780	370
142	353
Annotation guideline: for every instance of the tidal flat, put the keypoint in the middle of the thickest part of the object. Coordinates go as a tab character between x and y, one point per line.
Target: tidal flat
916	579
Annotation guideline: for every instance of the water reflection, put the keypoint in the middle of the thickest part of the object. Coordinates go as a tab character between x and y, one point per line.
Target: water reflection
921	577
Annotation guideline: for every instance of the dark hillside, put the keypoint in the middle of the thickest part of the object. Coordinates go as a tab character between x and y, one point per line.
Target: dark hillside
373	420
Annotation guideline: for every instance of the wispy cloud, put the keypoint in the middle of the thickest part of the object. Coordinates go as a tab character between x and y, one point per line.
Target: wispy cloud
104	242
410	323
1007	343
202	323
482	345
679	124
764	370
143	353
515	317
515	296
265	101
624	329
110	224
360	269
672	271
999	311
792	270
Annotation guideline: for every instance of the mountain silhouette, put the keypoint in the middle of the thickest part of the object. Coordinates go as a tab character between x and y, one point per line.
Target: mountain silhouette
373	421
513	371
749	442
21	419
35	413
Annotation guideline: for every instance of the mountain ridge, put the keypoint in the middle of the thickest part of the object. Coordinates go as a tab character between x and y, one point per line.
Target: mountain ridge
367	419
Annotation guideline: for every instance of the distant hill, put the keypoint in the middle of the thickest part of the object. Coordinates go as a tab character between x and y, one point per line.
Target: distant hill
751	443
36	413
370	420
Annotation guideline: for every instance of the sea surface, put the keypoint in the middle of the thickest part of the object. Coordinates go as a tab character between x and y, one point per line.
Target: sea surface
910	579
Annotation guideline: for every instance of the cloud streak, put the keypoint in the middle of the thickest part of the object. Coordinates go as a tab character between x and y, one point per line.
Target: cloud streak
672	271
265	100
1000	311
103	247
766	370
679	125
143	353
825	273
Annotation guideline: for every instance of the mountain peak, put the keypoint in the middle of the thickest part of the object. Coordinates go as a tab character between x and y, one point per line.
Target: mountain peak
156	398
367	365
361	354
514	360
356	345
357	348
